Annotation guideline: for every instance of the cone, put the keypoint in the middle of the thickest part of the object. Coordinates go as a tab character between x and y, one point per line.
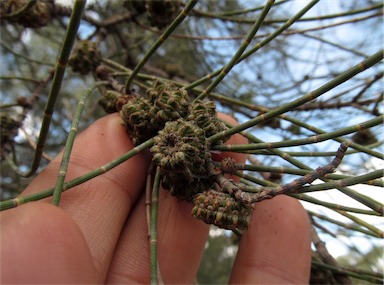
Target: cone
204	115
161	12
222	210
181	151
85	58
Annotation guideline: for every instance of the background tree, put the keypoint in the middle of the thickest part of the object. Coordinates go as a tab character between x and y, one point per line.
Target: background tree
218	258
314	48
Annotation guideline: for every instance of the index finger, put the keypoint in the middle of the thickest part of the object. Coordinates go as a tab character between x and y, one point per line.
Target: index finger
277	246
101	205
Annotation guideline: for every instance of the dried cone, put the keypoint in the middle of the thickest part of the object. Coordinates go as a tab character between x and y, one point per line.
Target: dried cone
222	210
169	103
137	119
161	12
85	58
364	137
204	114
108	101
181	151
38	16
145	117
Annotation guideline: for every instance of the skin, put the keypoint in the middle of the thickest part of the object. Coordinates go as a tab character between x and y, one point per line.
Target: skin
99	232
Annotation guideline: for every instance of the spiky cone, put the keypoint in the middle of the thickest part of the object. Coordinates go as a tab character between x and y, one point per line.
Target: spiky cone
85	58
38	16
169	102
108	101
181	151
8	131
222	210
137	119
161	13
364	137
113	101
205	116
145	117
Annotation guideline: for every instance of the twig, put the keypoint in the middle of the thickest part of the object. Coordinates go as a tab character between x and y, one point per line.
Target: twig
225	70
33	144
8	204
367	63
155	272
56	85
183	14
259	45
69	144
308	178
327	258
148	189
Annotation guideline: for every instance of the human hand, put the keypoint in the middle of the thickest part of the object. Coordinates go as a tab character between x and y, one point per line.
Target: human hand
99	232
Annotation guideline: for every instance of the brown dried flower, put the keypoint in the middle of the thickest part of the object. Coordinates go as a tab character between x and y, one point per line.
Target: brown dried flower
161	13
169	102
39	15
204	114
180	149
222	210
137	119
85	57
